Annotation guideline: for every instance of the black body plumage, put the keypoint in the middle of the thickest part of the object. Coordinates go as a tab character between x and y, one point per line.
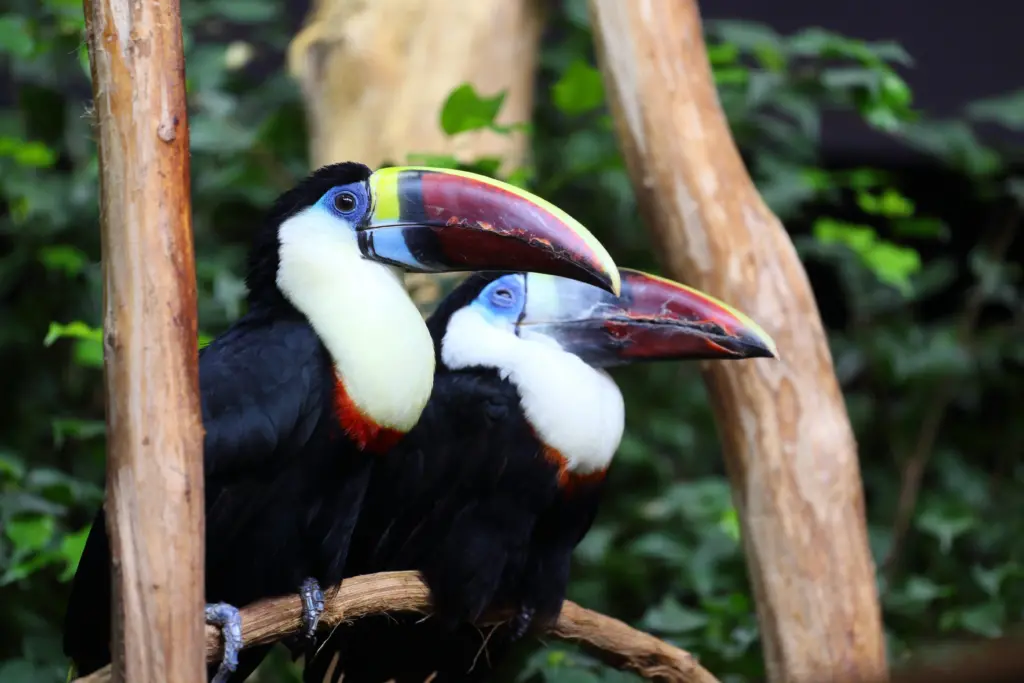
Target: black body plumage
469	499
274	455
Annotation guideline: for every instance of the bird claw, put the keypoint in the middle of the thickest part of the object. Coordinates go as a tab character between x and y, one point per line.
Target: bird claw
521	622
229	621
312	606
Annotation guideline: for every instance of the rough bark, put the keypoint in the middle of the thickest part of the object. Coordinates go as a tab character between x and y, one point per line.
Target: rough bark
789	448
611	640
375	75
154	500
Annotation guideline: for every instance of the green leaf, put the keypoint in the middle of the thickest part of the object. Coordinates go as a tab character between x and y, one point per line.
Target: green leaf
73	330
671	617
1006	110
916	595
71	548
893	264
30	154
990	580
895	91
770	57
890	203
720	54
11	467
27	566
30	533
921	227
579	90
944	526
733	75
985	620
88	353
63	257
16	37
859	238
746	35
74	428
730	523
20	671
467	110
955	143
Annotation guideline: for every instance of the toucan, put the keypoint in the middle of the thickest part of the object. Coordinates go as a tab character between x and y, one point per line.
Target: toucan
331	365
501	478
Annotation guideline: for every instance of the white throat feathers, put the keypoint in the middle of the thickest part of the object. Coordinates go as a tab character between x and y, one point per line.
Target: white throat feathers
574	408
382	350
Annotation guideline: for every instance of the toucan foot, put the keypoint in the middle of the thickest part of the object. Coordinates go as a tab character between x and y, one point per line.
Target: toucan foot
520	623
312	606
229	621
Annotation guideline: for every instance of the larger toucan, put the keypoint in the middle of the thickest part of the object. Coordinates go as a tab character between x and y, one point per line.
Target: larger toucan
500	480
332	363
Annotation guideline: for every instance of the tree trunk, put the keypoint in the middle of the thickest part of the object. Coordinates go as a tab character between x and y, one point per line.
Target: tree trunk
154	468
789	448
375	76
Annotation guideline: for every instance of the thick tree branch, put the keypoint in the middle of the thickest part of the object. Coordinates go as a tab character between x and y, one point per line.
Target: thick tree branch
609	639
154	506
788	446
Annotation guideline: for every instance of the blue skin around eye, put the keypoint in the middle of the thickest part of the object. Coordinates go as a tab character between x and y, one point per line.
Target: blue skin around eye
502	307
357	190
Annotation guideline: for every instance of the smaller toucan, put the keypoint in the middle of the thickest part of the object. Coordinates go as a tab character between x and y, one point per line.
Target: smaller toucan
501	478
331	365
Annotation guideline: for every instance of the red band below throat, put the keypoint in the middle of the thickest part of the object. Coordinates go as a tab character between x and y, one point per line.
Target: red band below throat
364	432
568	480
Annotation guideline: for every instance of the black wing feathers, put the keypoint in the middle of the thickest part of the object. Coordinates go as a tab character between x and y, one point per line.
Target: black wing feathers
264	390
458	499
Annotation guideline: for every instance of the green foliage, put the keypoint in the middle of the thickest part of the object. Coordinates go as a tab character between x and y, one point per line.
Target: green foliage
579	90
665	552
890	263
466	110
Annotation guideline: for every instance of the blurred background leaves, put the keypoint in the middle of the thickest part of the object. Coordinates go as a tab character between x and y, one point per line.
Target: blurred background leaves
914	267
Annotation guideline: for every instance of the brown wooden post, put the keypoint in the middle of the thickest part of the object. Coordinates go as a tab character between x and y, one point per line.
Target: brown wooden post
789	448
154	504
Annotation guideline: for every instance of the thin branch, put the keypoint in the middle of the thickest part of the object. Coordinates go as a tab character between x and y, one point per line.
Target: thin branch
608	639
924	446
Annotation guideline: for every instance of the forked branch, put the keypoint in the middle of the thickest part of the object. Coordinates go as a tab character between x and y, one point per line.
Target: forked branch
608	639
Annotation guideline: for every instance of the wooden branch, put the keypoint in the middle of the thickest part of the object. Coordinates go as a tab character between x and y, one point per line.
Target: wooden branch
154	505
609	639
789	448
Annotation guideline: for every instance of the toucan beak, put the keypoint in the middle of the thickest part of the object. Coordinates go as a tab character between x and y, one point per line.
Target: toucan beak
438	220
653	319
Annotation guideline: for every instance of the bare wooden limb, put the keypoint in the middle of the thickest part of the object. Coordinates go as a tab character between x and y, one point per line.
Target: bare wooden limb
154	470
788	444
613	641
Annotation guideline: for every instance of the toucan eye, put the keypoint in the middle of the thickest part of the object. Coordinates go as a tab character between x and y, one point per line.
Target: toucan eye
345	202
502	297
